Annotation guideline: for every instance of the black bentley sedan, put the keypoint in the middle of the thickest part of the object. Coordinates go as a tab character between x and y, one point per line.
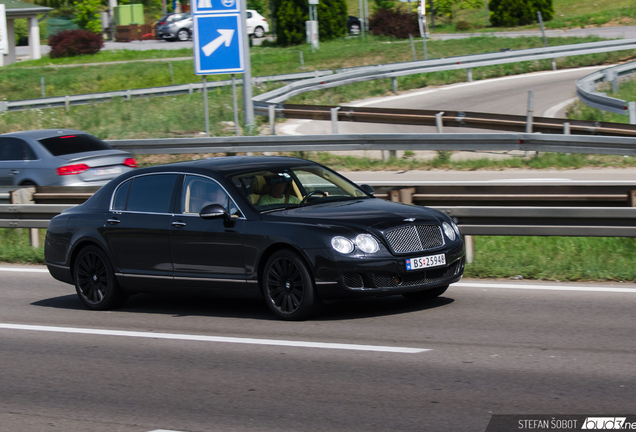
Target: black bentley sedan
289	230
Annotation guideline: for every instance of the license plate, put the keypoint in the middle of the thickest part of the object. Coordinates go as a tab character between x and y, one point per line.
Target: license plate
425	262
106	171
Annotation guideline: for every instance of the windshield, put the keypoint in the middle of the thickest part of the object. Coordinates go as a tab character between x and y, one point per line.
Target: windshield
292	187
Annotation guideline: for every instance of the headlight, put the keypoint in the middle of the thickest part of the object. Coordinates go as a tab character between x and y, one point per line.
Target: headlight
367	243
456	228
449	231
342	245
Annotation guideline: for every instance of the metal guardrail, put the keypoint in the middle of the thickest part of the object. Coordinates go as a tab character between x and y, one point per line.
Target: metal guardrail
460	142
586	89
83	99
319	80
506	122
368	73
501	221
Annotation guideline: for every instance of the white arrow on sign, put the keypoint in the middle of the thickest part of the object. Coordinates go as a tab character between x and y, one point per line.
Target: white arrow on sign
225	38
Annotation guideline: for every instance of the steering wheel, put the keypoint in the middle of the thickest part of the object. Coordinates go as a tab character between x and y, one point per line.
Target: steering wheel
312	193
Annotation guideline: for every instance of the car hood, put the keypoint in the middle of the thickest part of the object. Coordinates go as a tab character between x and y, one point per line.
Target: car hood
365	213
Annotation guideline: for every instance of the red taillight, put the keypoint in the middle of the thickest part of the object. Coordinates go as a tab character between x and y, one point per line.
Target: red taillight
130	162
72	169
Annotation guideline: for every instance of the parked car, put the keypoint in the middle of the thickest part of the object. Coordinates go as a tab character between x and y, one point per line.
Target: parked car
177	27
59	157
166	18
354	25
287	230
257	25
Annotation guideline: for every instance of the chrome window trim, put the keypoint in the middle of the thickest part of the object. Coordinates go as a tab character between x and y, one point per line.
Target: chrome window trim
112	197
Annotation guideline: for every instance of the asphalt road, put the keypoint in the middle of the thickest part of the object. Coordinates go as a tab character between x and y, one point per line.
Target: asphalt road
482	348
553	92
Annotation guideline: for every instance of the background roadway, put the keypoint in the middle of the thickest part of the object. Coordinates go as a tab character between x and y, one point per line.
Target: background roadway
495	348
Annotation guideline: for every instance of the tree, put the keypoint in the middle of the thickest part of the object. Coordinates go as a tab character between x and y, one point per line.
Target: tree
87	15
512	13
383	5
290	16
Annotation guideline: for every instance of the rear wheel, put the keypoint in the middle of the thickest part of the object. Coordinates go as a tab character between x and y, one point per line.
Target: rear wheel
288	287
95	281
259	32
426	294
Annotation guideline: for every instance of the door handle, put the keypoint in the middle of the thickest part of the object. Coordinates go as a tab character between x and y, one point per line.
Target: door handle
113	221
14	172
178	224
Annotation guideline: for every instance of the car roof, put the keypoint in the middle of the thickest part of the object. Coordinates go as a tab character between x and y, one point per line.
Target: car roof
43	133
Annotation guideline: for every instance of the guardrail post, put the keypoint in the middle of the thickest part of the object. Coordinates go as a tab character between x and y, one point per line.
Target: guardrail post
67	103
412	47
128	94
43	87
394	195
4	106
190	89
566	128
271	111
334	120
395	84
25	196
469	75
632	112
406	195
469	244
530	114
302	60
439	122
631	198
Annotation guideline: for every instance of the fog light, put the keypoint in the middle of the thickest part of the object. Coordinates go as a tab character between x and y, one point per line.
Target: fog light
397	280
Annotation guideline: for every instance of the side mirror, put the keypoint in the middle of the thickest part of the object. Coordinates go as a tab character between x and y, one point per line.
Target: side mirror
368	189
214	211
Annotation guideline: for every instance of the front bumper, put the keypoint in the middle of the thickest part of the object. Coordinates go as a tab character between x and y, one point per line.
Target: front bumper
340	276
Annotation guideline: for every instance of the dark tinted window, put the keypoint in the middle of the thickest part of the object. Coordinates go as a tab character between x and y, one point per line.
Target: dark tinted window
151	193
69	144
15	149
121	196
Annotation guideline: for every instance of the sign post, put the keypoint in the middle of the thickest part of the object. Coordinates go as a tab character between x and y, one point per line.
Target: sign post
220	43
4	39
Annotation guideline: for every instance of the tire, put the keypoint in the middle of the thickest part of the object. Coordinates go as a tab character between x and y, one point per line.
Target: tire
289	288
426	294
354	29
259	32
183	35
95	281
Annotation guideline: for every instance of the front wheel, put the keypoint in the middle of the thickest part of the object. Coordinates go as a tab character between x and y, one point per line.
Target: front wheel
288	287
426	294
183	35
95	281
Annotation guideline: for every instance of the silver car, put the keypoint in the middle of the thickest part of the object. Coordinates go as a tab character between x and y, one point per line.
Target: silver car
59	157
178	28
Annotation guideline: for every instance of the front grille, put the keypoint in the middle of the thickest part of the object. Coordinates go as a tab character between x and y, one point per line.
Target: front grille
353	280
427	277
415	238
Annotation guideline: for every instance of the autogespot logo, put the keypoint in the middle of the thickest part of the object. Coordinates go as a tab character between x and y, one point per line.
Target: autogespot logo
606	423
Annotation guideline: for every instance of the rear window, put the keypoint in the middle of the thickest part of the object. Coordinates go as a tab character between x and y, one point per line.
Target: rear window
69	144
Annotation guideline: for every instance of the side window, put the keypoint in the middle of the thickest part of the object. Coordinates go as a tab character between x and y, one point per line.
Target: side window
199	192
249	15
14	149
151	193
121	196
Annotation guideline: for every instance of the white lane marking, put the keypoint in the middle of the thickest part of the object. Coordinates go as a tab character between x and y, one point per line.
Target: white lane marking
552	111
522	286
290	129
23	270
456	86
220	339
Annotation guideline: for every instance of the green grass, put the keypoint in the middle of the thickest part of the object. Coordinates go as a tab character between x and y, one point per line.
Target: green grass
15	246
554	258
17	82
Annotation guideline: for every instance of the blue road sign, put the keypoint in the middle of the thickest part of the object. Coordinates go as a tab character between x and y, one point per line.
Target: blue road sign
218	44
215	6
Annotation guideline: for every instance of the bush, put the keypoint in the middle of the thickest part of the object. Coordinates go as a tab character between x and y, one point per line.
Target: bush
291	15
398	22
463	25
512	13
71	43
